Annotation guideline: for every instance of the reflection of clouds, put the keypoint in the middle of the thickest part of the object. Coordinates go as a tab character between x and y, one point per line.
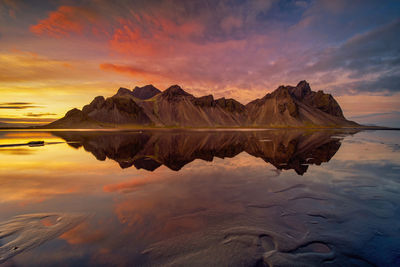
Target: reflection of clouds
83	234
183	213
50	172
24	137
374	148
27	134
16	151
229	209
127	187
168	203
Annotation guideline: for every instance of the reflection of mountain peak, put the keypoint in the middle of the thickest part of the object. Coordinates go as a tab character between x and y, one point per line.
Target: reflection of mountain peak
149	150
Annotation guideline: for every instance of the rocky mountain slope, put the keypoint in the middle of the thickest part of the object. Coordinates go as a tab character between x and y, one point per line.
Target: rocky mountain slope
296	106
287	106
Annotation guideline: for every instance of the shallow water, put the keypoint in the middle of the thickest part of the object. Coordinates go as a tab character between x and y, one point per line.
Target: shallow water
195	198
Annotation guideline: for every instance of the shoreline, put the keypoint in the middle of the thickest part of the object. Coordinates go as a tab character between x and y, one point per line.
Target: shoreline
121	129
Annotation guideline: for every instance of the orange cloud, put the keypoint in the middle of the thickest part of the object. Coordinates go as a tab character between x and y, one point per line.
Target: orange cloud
138	73
63	21
151	35
123	69
128	40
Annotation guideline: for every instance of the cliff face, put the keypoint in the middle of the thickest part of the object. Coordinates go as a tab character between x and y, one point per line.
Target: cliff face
116	110
287	106
175	107
297	106
145	92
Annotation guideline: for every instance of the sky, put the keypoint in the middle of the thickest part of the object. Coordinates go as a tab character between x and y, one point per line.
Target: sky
56	55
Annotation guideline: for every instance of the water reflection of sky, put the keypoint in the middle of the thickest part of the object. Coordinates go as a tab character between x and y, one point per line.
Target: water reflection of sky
231	211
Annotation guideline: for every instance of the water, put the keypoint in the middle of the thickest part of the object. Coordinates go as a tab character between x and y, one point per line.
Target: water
196	198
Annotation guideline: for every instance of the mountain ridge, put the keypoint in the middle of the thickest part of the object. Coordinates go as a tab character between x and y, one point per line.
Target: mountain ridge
287	106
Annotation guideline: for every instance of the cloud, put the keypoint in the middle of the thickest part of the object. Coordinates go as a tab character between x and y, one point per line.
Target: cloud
374	50
22	66
149	36
17	105
26	120
367	62
130	71
386	84
389	119
376	114
11	7
64	21
30	114
234	53
240	49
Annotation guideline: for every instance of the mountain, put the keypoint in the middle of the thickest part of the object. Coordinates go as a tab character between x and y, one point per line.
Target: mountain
140	93
75	118
287	106
297	106
145	92
149	150
175	107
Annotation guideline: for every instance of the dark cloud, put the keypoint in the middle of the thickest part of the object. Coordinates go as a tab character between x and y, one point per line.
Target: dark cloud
376	114
377	49
17	105
25	120
367	62
389	119
30	114
384	84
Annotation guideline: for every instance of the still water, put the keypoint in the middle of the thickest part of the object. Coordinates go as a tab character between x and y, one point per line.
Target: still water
200	198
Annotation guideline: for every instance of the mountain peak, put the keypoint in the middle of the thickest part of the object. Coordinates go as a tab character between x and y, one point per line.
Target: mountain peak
175	91
303	84
123	91
73	112
145	92
301	90
95	104
280	92
290	106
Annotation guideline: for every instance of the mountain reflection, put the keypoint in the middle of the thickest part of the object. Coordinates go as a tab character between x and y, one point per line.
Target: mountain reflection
149	150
